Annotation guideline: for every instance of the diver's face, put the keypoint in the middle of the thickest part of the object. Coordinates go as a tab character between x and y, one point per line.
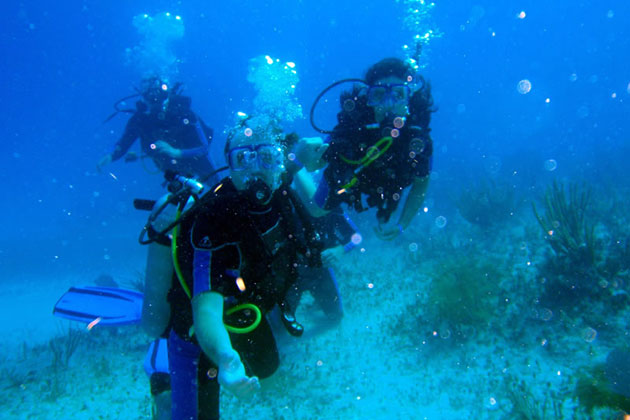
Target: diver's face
155	96
389	97
252	158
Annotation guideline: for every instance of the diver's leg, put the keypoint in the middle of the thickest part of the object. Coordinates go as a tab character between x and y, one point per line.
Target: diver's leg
156	367
208	393
158	275
161	393
325	291
183	360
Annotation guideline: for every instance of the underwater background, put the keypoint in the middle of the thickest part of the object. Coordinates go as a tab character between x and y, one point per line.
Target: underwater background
507	298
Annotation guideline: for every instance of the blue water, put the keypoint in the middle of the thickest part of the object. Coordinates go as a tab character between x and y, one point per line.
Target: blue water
64	65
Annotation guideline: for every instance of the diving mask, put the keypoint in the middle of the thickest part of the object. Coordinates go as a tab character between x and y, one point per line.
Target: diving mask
266	156
396	94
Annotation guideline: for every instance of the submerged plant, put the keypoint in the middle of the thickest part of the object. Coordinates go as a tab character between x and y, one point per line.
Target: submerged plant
63	347
526	406
572	271
566	226
595	389
463	295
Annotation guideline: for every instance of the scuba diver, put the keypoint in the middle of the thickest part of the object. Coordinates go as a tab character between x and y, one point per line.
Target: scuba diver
170	133
380	146
236	257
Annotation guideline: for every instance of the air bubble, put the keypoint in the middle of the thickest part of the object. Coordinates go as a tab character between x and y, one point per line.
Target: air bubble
545	314
524	87
413	247
416	146
440	221
349	105
551	165
589	334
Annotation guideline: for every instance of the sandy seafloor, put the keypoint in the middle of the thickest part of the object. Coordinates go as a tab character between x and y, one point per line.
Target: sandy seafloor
383	362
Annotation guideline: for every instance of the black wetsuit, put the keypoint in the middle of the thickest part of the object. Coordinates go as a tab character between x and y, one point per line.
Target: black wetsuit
230	237
178	126
382	181
333	229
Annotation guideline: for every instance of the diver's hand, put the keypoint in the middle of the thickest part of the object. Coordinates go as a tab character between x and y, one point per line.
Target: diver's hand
388	232
332	255
166	149
232	376
105	160
309	151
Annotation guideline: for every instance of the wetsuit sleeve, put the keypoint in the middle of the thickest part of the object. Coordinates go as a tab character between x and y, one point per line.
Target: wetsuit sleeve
131	133
215	252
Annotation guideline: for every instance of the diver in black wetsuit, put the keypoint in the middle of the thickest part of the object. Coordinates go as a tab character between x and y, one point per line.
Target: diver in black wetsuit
380	146
170	133
237	255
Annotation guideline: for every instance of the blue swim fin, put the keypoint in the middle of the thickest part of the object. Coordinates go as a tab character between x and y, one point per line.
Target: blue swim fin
115	306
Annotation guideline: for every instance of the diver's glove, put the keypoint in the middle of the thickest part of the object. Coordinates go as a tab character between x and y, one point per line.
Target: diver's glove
232	376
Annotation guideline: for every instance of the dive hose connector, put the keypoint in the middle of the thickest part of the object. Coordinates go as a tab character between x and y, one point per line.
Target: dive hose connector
177	183
181	189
